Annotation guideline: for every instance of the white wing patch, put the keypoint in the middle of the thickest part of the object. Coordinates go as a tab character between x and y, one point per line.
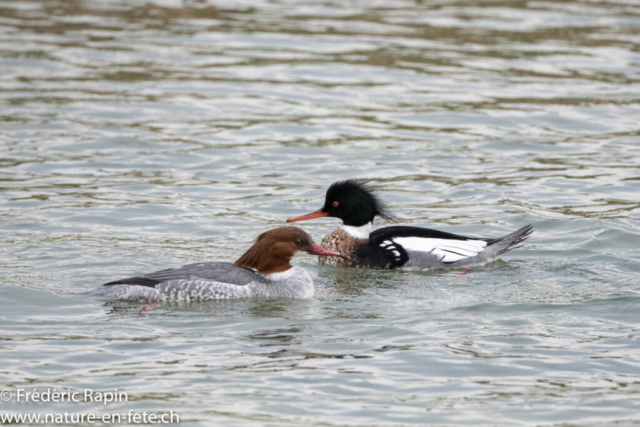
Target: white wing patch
446	249
389	246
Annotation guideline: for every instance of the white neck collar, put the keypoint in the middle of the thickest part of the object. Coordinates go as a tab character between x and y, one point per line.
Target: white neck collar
361	232
278	277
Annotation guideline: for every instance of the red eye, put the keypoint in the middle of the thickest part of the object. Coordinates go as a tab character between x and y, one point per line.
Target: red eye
335	204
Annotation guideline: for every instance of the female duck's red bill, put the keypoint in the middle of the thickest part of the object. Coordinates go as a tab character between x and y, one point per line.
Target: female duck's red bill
317	250
317	214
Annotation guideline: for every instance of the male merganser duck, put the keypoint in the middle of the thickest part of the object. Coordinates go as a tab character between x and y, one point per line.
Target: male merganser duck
354	202
273	277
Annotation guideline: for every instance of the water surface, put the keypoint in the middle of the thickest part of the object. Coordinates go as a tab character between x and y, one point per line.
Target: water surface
139	135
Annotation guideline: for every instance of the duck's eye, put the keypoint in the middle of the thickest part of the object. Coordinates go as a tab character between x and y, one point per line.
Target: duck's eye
299	242
336	204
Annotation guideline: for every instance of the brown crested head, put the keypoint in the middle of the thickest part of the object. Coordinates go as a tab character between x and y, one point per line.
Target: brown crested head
273	250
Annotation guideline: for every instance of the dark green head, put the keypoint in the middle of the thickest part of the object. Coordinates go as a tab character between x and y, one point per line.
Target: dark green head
353	201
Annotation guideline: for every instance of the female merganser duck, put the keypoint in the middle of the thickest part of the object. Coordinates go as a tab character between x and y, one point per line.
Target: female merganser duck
354	202
273	277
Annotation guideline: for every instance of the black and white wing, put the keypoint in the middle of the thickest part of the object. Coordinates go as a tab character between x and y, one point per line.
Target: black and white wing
393	247
401	246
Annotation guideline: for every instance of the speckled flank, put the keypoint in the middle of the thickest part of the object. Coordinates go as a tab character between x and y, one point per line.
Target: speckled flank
340	241
294	283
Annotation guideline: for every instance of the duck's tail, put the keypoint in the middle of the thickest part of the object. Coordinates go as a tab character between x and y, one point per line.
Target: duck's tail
511	240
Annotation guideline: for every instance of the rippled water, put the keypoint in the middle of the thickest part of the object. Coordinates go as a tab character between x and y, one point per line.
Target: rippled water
138	135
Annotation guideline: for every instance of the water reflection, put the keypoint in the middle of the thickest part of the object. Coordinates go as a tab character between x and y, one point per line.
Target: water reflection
140	135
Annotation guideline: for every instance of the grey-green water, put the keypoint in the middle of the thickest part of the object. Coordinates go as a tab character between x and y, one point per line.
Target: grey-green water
140	135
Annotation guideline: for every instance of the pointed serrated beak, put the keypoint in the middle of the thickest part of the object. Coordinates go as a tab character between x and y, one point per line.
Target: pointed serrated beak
317	214
317	250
